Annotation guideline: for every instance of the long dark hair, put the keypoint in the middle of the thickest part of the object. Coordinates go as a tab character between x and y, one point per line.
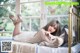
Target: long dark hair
53	23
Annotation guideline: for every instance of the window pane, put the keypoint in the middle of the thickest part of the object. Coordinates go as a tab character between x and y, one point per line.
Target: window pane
7	2
51	18
64	21
56	0
9	26
34	0
6	9
5	34
49	0
28	0
57	10
35	24
30	9
6	24
11	2
23	1
11	8
26	24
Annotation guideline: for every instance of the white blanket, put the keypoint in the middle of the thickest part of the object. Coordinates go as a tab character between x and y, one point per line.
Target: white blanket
33	48
43	49
19	47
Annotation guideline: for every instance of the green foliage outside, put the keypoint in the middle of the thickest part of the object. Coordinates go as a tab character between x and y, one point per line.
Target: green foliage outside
5	23
3	11
3	1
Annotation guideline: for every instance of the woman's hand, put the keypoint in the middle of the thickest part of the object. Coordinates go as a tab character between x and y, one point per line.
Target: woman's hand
47	33
50	37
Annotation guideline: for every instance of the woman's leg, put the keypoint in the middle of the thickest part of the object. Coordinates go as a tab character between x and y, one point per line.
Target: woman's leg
17	29
17	23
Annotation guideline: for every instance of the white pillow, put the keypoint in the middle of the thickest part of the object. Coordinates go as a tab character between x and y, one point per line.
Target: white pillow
73	33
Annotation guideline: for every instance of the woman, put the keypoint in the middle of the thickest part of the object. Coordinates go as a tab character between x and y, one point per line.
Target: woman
49	35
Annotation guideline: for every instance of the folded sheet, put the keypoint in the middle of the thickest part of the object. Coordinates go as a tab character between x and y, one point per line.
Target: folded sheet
19	47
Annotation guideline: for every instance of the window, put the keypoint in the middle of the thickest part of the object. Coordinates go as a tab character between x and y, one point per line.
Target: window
5	22
34	13
31	12
26	24
31	9
35	24
63	19
57	10
56	0
21	1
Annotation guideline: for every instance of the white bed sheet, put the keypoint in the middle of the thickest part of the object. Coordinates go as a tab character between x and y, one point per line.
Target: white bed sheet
43	49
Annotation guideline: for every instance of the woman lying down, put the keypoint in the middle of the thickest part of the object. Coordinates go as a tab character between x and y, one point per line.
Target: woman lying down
50	35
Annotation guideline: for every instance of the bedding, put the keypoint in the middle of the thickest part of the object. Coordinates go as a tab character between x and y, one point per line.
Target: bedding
43	49
19	47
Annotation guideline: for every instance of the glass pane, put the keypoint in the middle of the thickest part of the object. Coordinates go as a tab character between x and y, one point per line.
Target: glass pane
34	0
49	0
6	24
28	0
5	34
30	9
56	0
64	21
51	18
35	24
9	26
11	2
11	8
57	10
26	24
2	2
23	1
5	10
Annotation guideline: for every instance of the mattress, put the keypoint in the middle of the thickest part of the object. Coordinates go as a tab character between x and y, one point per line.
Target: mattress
43	49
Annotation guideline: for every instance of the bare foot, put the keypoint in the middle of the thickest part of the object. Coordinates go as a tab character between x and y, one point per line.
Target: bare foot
16	19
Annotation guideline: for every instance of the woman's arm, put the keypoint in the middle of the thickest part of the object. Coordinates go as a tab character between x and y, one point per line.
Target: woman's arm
57	40
46	37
